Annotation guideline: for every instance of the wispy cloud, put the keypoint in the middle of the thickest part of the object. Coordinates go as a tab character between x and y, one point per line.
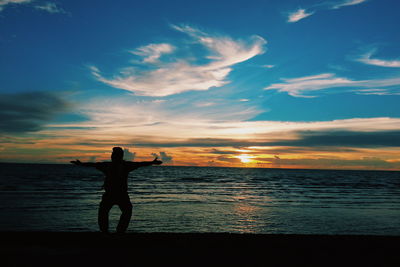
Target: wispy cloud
151	53
302	13
5	3
182	74
268	66
49	7
375	92
299	15
127	111
366	59
347	3
298	87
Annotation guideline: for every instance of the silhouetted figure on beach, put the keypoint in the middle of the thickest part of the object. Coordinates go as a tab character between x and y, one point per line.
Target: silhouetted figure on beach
116	187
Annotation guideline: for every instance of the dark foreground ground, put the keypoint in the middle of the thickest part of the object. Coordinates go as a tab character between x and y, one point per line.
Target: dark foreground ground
170	249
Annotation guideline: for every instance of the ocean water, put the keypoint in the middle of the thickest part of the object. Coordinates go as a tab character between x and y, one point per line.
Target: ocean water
39	197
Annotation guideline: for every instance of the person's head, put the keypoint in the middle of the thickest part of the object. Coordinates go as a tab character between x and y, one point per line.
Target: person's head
117	154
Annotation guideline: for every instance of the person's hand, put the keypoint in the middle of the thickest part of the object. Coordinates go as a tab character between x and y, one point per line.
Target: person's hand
76	162
157	162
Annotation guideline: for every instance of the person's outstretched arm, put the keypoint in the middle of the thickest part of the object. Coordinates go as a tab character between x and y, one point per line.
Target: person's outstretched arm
145	163
85	164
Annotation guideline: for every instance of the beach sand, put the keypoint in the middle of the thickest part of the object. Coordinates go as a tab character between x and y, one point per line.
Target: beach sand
211	249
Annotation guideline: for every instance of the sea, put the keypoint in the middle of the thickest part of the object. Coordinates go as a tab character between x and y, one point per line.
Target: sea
51	197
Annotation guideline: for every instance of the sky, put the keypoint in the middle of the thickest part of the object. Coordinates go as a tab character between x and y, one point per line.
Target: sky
270	84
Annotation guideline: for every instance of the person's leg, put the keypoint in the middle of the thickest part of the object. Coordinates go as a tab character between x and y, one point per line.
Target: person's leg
104	209
125	206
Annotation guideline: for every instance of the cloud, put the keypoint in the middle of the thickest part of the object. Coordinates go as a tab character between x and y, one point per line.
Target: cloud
302	13
375	92
229	160
345	139
298	86
49	7
366	59
268	66
5	3
143	117
347	3
302	139
129	156
27	112
222	152
205	104
299	15
152	52
182	75
164	157
148	124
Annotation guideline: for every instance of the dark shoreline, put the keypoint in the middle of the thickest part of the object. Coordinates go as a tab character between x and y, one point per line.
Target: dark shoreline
188	249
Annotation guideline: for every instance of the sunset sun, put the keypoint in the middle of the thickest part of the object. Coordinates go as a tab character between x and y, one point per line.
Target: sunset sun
244	158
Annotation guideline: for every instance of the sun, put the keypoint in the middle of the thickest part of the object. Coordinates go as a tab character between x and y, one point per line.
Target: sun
244	158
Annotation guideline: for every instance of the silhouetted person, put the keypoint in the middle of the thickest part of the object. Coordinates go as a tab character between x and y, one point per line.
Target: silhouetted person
116	187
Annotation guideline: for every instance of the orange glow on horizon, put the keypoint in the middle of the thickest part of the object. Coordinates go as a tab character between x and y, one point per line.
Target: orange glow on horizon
62	150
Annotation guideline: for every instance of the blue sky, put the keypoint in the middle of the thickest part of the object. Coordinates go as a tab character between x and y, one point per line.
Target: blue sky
87	75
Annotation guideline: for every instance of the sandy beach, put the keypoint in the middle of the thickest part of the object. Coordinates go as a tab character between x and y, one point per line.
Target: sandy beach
164	249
